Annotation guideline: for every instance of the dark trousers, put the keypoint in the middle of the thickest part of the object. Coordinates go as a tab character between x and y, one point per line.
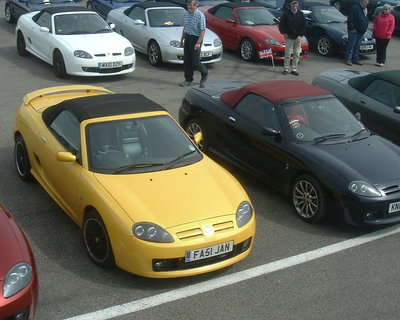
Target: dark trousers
191	58
381	45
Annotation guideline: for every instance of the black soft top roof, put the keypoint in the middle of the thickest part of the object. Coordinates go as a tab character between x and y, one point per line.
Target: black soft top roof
102	106
233	5
54	10
362	82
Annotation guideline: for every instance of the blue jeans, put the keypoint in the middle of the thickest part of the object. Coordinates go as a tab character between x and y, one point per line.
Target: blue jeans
353	46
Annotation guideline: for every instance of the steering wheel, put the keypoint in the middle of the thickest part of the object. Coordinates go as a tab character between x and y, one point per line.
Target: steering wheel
107	148
295	123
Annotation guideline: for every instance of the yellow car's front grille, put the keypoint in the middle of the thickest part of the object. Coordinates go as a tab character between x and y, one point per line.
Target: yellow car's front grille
198	233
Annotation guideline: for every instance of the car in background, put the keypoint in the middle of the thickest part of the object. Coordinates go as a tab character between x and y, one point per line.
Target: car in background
74	41
251	29
396	14
155	29
375	96
304	142
18	274
103	7
344	5
15	8
327	32
125	172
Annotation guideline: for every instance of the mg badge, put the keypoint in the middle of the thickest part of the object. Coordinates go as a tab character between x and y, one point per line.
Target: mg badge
208	230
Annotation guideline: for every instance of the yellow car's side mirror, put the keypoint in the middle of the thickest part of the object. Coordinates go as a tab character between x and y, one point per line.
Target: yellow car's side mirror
65	156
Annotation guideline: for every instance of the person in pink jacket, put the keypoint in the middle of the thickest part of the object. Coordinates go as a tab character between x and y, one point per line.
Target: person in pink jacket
383	28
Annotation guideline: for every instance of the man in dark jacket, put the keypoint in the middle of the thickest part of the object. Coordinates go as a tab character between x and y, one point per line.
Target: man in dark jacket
292	25
357	24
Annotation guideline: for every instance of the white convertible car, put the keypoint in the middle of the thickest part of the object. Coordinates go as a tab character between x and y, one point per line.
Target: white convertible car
155	28
75	41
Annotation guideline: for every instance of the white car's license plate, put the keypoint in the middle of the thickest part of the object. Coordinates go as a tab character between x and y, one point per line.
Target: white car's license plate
205	54
108	65
394	207
208	252
367	47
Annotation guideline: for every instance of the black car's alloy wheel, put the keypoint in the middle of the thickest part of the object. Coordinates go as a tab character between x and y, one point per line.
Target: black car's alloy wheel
194	126
9	16
96	241
21	47
21	159
154	54
308	199
325	46
247	50
59	65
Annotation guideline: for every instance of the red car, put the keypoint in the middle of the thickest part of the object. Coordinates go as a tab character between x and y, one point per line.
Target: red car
18	276
251	29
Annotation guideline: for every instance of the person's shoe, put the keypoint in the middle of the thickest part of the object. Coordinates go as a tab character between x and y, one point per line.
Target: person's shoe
348	63
186	84
285	72
295	72
358	63
379	64
203	80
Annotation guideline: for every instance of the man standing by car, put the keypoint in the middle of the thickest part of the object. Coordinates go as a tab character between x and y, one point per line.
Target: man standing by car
194	29
357	24
292	26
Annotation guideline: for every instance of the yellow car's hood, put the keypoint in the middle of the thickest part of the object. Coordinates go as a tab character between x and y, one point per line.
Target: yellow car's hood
176	196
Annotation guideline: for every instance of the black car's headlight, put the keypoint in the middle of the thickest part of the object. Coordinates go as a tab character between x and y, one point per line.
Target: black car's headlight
82	54
128	51
151	232
244	213
304	40
17	278
363	188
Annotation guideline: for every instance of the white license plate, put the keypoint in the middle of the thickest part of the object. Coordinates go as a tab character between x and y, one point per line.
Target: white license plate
367	47
208	252
108	65
205	54
394	207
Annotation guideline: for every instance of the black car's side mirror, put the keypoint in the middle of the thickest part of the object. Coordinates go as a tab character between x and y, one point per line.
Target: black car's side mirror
396	110
271	133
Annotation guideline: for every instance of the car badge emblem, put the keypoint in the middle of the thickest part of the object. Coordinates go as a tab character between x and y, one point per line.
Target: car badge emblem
208	230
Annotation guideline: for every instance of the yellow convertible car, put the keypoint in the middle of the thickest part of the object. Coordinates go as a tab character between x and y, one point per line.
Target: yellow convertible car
146	199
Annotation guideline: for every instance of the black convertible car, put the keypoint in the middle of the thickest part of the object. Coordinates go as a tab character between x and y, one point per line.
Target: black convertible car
303	141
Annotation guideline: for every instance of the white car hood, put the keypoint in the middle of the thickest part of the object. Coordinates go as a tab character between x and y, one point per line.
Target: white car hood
96	43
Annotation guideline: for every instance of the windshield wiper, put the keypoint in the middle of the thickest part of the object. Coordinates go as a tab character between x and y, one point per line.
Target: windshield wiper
328	136
356	136
137	165
177	159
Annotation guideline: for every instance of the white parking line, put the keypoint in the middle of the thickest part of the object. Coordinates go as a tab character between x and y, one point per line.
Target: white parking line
220	282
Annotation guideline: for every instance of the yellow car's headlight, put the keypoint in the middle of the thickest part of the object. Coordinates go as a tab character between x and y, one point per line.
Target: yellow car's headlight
244	213
151	232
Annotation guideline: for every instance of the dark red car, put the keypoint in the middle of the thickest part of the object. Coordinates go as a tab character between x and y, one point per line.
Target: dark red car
18	275
250	29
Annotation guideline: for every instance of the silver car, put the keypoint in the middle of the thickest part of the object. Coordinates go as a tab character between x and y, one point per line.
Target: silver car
155	29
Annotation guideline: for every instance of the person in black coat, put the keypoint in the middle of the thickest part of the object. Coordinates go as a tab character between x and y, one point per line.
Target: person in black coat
292	25
357	24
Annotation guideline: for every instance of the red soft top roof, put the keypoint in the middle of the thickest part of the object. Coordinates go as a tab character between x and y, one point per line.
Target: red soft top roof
273	91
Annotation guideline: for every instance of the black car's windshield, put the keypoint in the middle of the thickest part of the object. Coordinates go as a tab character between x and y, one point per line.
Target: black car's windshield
49	1
327	15
138	145
256	17
166	17
323	121
80	23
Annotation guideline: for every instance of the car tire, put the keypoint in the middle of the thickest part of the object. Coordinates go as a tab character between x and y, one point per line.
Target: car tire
96	240
194	126
21	160
21	46
154	54
247	50
309	199
325	46
9	16
59	65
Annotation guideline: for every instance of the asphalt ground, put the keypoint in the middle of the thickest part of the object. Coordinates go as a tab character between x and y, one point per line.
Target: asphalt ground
359	281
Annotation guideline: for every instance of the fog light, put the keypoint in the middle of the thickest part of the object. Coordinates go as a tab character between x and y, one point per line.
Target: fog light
370	215
159	265
22	315
246	244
